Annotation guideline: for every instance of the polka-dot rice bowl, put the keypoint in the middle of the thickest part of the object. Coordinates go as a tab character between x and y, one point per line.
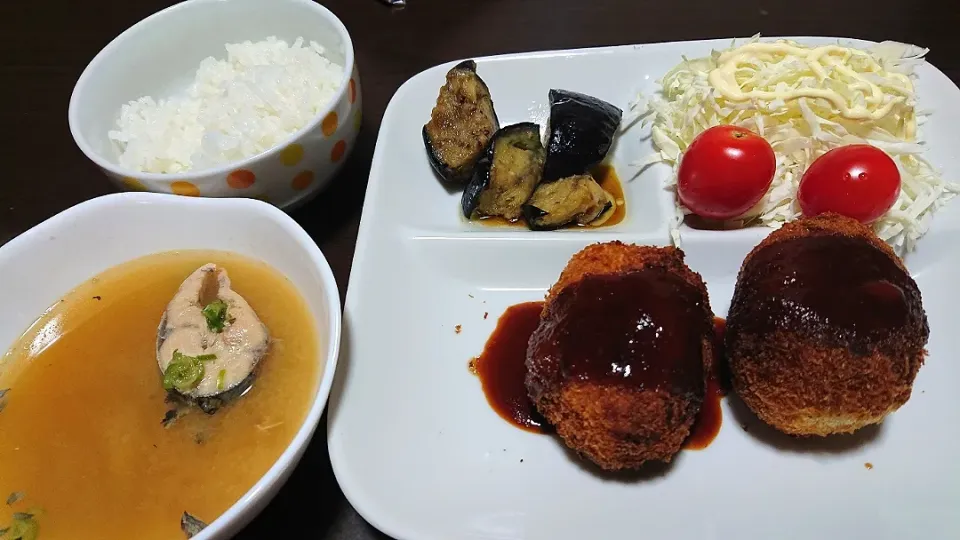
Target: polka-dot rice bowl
158	57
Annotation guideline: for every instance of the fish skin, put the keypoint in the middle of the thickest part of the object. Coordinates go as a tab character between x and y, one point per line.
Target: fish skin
239	347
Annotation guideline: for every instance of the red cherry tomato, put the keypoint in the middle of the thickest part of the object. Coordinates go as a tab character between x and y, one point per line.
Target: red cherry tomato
858	181
725	172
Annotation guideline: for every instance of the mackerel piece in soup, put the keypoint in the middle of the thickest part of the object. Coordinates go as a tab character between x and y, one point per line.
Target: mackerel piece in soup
93	446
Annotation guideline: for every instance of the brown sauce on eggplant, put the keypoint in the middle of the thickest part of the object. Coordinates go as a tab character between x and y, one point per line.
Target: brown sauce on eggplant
839	290
497	221
502	367
606	176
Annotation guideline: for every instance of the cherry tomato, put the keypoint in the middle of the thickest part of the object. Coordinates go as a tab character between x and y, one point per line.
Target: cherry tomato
858	181
725	172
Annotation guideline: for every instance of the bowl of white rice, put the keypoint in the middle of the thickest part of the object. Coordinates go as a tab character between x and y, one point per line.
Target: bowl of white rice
223	98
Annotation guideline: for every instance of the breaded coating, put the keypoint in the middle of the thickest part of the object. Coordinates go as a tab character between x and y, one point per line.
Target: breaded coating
826	224
618	426
614	257
842	355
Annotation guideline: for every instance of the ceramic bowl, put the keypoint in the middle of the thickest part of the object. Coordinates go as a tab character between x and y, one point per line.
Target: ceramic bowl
51	259
159	56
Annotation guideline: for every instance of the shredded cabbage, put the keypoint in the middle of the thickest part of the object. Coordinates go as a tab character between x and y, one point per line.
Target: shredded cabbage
813	100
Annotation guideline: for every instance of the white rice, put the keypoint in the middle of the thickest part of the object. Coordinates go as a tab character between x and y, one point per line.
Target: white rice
236	108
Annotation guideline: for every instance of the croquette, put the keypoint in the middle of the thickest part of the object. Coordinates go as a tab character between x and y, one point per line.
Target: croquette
826	330
619	361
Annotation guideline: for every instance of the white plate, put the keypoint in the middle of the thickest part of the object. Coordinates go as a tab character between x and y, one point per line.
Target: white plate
420	453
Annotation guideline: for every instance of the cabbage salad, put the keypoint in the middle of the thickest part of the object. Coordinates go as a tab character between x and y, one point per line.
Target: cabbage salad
804	101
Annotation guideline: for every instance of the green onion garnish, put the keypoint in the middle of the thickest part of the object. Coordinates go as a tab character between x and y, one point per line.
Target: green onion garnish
24	527
205	357
220	377
183	373
216	314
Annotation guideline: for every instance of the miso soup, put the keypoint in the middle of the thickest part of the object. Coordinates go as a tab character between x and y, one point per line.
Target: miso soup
91	446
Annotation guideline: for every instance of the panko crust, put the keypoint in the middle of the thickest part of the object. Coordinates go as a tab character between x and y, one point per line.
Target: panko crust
614	426
805	386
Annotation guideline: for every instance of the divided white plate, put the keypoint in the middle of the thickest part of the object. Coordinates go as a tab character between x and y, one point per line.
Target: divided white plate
420	453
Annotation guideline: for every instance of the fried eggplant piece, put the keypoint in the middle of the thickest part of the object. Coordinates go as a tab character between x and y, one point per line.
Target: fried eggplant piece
507	174
582	128
461	124
572	199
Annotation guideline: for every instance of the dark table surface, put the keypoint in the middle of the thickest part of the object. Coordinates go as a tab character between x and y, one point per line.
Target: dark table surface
46	45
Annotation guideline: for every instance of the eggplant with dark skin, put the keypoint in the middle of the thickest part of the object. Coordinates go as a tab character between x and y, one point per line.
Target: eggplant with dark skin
506	174
582	128
575	199
461	124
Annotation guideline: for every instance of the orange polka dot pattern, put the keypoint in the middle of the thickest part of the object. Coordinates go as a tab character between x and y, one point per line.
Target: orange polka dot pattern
302	180
353	91
185	188
291	155
329	124
241	179
134	184
338	150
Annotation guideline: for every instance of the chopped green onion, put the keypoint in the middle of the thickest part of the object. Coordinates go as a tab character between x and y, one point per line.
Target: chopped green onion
205	357
220	377
24	527
216	314
183	373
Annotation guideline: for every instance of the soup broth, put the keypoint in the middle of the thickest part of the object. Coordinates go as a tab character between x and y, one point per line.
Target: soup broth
82	443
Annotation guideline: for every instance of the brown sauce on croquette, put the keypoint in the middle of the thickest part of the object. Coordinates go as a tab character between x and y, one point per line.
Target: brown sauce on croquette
707	426
502	369
841	290
643	329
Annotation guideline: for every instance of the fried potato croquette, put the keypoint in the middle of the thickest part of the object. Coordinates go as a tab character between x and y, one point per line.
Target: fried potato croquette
826	329
619	361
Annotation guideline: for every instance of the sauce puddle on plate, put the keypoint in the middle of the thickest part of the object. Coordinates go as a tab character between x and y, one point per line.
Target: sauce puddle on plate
708	422
502	369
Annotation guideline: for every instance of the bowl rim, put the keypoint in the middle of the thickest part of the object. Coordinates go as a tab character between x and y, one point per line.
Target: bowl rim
250	504
224	168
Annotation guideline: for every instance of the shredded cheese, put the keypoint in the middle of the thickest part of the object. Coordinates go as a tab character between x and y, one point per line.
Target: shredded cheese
804	101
